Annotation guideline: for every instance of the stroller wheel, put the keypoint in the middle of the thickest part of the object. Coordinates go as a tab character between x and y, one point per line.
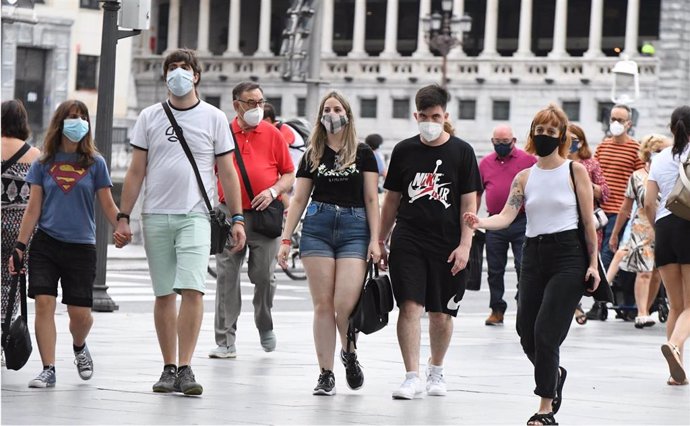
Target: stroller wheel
663	312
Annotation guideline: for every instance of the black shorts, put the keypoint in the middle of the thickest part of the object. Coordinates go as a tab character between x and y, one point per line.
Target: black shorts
425	278
672	243
74	265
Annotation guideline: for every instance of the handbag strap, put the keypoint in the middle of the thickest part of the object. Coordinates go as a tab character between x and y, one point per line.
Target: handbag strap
240	164
682	176
18	280
188	152
17	155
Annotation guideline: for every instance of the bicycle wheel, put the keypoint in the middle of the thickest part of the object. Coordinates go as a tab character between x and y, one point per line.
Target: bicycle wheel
295	270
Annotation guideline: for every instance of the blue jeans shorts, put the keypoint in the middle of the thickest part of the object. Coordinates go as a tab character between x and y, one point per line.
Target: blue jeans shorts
334	231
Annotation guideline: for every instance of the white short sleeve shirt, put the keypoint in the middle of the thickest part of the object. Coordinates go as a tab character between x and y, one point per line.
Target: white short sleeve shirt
171	187
664	171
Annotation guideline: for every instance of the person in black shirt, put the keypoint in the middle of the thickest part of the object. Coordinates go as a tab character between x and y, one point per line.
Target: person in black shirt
433	178
340	231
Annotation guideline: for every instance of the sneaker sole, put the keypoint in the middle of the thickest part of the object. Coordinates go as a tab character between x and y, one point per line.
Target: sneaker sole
194	391
322	392
224	356
437	393
86	378
162	390
41	385
355	388
408	397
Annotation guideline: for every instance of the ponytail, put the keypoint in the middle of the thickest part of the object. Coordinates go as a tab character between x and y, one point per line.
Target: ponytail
448	128
680	124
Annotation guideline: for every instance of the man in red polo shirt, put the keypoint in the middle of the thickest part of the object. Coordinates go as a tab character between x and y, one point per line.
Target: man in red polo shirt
498	170
271	173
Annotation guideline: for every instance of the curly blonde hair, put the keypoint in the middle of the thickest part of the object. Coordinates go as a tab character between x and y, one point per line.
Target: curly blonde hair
652	143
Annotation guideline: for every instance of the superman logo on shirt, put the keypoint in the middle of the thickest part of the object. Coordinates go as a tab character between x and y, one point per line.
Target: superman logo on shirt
66	175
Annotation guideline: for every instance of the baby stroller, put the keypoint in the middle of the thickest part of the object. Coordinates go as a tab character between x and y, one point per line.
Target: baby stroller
623	287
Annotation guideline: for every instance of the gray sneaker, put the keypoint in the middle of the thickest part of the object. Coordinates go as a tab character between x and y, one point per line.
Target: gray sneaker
166	383
46	379
84	363
186	383
268	340
223	352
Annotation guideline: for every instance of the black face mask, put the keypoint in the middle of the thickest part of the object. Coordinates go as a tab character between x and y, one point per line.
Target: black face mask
545	144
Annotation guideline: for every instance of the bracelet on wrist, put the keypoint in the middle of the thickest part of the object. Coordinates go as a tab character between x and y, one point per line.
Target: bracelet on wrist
237	218
238	222
286	241
20	245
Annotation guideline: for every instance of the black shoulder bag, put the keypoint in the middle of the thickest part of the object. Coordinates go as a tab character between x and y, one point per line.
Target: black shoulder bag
375	302
267	222
603	293
16	340
220	229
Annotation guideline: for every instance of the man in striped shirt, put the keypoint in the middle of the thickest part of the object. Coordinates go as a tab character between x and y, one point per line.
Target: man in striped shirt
618	158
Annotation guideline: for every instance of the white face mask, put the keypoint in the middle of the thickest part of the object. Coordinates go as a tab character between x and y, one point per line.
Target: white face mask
180	81
616	128
253	116
429	130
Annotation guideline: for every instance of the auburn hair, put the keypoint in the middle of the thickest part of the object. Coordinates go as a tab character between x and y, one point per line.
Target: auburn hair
555	116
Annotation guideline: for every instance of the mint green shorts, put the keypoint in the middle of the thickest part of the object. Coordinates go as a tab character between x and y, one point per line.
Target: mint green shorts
177	249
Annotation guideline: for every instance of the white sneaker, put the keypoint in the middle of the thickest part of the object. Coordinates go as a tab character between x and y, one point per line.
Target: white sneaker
411	388
435	383
223	352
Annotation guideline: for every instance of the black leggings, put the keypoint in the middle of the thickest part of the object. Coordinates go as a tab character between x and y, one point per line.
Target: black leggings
551	285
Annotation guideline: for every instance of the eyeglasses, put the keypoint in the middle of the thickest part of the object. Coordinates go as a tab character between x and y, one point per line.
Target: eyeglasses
502	141
253	103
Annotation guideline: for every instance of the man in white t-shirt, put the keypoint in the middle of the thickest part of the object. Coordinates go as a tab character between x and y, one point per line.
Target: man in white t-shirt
175	217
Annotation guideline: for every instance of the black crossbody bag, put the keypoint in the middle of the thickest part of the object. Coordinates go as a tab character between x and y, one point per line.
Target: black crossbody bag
220	229
267	222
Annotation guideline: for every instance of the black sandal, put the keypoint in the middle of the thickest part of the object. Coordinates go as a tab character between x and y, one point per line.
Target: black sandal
580	316
544	419
556	402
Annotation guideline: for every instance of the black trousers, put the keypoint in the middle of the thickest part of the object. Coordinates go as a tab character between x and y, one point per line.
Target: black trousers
551	285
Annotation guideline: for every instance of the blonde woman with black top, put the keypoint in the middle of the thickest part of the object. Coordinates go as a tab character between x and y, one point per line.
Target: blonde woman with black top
555	267
340	231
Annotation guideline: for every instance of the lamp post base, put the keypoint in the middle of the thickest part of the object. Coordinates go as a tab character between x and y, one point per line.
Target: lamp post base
102	301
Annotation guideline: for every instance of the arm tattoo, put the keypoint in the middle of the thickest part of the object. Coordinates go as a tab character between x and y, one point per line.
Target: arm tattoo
516	196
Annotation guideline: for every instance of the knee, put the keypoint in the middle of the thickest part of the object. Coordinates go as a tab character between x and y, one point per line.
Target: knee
644	277
410	310
191	295
324	308
440	320
45	305
80	315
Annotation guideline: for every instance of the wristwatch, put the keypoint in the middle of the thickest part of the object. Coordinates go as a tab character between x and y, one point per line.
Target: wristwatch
273	192
122	216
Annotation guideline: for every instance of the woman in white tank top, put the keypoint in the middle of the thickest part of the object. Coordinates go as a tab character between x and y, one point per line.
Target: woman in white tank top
555	267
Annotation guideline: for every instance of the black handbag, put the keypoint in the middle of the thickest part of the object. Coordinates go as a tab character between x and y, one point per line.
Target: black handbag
220	228
475	262
603	293
375	302
269	221
16	339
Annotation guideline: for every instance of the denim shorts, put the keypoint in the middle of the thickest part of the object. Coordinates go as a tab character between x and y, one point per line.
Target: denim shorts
334	231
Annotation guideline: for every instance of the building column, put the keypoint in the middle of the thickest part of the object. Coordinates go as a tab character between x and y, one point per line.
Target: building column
390	49
422	47
327	28
631	28
233	30
204	24
264	48
490	29
458	11
173	25
359	30
525	35
596	23
560	30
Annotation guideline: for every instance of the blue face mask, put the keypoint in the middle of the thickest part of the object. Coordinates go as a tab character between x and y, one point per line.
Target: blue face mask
574	145
180	81
502	149
75	129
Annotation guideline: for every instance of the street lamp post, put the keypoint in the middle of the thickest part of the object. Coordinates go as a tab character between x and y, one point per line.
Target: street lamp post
444	31
104	124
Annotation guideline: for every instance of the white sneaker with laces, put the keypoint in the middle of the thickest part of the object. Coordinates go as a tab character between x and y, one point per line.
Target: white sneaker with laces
223	352
435	383
411	388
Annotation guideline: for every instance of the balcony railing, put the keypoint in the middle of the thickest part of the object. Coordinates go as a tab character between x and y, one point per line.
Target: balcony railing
537	70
